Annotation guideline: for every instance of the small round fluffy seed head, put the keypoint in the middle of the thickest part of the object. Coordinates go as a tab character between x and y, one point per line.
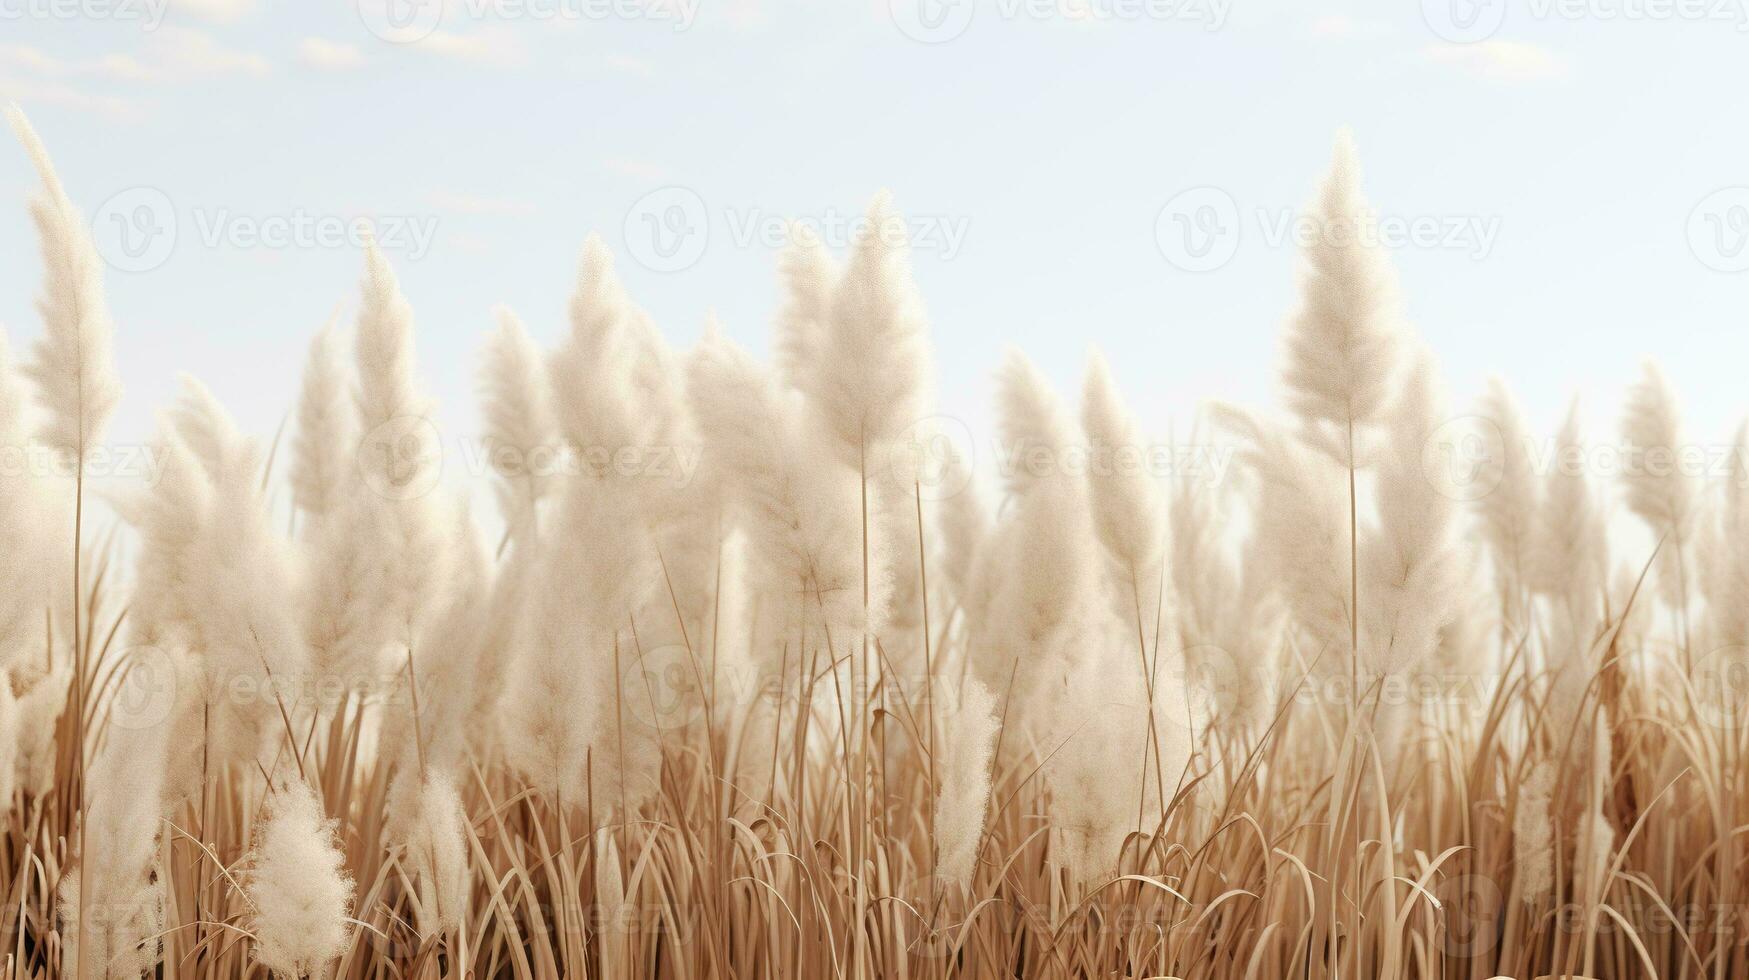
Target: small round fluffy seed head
298	886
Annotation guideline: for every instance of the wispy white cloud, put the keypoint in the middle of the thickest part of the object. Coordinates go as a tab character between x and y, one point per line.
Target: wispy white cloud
474	204
222	11
1502	61
325	55
492	48
29	92
169	54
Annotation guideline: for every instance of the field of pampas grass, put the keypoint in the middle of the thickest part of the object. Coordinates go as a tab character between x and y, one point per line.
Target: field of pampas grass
1389	700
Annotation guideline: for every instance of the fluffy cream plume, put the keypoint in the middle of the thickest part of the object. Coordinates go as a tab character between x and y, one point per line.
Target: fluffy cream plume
591	366
1342	342
520	437
74	363
297	886
870	366
1725	650
117	878
1411	565
567	701
41	700
398	517
1101	731
1040	575
503	638
1658	491
1570	559
379	564
1299	499
967	750
212	587
857	344
1655	483
782	486
1508	512
425	735
435	846
895	586
809	277
1034	436
1533	834
962	529
28	515
682	495
326	430
1125	500
1223	612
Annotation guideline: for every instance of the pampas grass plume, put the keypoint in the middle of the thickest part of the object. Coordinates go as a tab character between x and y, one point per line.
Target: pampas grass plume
298	886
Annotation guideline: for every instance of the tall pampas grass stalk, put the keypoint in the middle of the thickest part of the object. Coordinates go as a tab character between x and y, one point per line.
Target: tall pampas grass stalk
74	370
1129	521
1342	342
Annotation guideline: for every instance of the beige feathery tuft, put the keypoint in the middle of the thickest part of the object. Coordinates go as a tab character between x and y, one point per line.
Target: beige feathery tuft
74	361
298	886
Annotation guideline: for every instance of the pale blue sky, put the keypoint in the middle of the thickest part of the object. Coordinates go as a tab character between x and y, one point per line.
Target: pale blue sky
1569	150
